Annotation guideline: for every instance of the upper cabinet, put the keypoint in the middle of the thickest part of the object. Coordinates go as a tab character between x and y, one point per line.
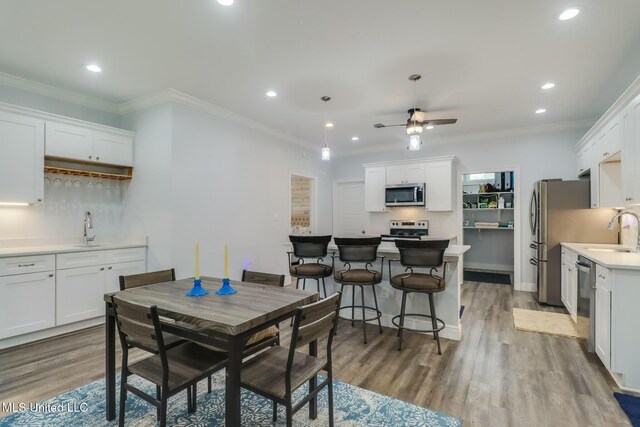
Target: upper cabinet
374	183
440	185
631	153
408	173
72	142
21	159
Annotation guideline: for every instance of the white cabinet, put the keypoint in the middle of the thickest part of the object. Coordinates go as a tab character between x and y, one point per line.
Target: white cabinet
581	164
440	189
79	294
569	282
413	173
603	322
122	269
614	138
630	123
375	179
21	159
27	303
74	142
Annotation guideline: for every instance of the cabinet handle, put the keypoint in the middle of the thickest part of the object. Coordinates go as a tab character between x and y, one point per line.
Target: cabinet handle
90	157
98	158
26	265
102	269
51	275
110	267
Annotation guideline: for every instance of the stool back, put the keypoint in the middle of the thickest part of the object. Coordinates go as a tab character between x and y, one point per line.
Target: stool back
310	246
358	249
422	253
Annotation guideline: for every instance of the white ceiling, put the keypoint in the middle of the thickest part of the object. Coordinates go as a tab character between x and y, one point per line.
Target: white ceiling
481	61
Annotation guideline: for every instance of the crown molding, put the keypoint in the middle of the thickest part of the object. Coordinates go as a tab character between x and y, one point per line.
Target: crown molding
410	161
173	95
481	136
57	93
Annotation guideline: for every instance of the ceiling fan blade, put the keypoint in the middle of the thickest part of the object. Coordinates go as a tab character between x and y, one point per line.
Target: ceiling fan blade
380	125
437	122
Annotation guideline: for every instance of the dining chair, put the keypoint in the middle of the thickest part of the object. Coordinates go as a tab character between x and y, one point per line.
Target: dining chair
269	279
428	254
170	370
306	247
277	372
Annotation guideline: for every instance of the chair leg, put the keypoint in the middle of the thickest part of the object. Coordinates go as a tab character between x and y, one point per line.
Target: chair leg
123	399
324	288
163	409
189	401
353	304
194	397
275	411
209	385
375	300
289	414
364	324
402	311
297	283
335	331
158	396
304	284
434	322
318	286
330	397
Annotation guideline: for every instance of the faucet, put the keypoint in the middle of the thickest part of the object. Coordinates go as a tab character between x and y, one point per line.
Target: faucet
88	224
633	214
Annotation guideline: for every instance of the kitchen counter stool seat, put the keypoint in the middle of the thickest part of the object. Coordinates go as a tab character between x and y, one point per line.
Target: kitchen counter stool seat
311	271
427	254
308	247
360	250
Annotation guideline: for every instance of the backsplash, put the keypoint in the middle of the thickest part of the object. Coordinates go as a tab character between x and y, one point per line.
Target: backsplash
629	236
440	223
66	199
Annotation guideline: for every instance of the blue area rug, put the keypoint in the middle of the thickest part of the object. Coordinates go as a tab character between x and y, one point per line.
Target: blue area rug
353	406
631	406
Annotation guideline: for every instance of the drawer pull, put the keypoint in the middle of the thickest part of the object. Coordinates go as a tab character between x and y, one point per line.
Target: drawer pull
110	267
102	269
26	265
51	275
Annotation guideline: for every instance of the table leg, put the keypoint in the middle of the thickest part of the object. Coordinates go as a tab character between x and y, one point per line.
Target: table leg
234	365
313	383
110	365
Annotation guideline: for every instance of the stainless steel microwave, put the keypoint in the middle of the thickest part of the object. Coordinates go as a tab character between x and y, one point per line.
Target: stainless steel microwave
404	195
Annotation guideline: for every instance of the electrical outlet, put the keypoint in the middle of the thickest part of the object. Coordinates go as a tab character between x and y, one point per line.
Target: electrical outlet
385	293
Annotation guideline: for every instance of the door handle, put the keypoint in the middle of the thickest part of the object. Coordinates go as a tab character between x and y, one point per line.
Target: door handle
532	261
533	246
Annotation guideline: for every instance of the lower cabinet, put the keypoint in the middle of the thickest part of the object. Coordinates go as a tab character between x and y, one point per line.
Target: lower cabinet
122	269
79	294
27	303
603	325
569	282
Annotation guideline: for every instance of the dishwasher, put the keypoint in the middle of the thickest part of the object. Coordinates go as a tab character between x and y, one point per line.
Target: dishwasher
586	297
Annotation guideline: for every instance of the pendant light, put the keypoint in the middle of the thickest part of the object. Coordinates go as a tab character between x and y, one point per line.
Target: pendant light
326	150
414	128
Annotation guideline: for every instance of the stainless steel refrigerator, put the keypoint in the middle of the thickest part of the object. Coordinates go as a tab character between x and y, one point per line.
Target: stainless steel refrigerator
560	212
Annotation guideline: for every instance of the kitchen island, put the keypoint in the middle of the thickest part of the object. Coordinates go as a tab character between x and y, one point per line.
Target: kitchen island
447	302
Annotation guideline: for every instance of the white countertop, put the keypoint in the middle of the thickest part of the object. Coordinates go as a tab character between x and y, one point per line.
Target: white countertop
65	248
621	260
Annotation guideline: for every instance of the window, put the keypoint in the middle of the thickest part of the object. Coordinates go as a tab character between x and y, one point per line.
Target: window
481	177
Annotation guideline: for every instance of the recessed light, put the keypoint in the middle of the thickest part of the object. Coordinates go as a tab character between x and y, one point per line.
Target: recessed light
429	127
94	68
328	124
548	85
541	110
354	138
569	14
271	94
225	2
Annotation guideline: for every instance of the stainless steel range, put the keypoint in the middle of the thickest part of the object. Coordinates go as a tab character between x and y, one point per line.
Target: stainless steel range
406	229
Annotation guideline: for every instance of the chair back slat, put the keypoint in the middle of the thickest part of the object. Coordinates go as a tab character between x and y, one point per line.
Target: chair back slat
321	328
310	246
358	249
144	279
422	253
263	278
136	324
317	310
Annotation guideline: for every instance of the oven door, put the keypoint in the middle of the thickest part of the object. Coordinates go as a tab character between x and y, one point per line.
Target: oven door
404	195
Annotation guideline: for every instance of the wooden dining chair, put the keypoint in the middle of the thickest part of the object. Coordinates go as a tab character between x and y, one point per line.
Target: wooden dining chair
170	370
264	279
277	372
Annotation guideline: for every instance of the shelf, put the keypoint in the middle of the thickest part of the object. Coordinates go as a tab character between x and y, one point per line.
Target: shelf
93	174
488	228
487	194
487	209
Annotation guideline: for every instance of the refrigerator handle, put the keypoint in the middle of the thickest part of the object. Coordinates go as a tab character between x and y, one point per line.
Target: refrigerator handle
533	212
533	246
533	262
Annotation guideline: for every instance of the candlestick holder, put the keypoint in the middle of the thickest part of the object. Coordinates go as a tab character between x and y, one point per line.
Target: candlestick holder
226	288
197	289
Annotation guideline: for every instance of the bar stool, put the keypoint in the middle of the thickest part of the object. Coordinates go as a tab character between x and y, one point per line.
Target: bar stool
359	250
420	254
305	247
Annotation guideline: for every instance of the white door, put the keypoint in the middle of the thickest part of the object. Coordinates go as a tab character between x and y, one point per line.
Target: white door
603	325
80	294
349	212
21	159
113	149
122	269
27	303
69	142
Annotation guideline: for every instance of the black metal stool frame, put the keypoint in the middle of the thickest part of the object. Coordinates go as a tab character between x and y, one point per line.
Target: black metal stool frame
301	260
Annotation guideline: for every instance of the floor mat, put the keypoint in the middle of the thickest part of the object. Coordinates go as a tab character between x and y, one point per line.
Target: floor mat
549	323
487	277
631	406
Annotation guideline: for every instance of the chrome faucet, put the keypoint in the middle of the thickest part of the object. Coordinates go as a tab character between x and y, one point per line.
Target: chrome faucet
88	224
633	214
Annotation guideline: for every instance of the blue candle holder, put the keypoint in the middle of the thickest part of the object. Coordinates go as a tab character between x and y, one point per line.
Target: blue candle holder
226	288
197	289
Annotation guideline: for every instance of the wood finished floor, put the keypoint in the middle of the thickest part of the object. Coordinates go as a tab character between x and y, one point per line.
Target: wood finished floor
496	376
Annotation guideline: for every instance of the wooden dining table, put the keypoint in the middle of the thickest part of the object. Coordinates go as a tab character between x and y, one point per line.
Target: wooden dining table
223	321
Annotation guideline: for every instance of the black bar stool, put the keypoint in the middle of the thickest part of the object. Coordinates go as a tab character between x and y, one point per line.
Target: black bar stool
359	250
305	247
420	254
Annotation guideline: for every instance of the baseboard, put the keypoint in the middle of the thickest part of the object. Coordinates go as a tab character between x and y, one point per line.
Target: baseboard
527	287
507	268
51	332
449	332
619	380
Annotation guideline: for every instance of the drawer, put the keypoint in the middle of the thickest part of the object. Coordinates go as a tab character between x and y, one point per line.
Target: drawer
603	277
126	255
27	264
80	259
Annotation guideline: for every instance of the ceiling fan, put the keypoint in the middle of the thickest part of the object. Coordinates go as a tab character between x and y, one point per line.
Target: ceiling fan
417	118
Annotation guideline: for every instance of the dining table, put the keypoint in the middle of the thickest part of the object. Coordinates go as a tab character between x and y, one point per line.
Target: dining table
223	321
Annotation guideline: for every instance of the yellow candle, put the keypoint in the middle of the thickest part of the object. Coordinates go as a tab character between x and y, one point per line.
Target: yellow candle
197	261
226	261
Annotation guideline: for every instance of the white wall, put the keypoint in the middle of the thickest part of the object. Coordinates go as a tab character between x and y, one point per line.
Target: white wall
537	157
201	178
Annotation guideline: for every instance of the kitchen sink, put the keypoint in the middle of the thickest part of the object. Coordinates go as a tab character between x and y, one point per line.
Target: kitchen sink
620	250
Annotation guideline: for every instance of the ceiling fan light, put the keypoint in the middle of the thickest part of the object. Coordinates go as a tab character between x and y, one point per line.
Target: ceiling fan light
413	127
326	153
414	142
